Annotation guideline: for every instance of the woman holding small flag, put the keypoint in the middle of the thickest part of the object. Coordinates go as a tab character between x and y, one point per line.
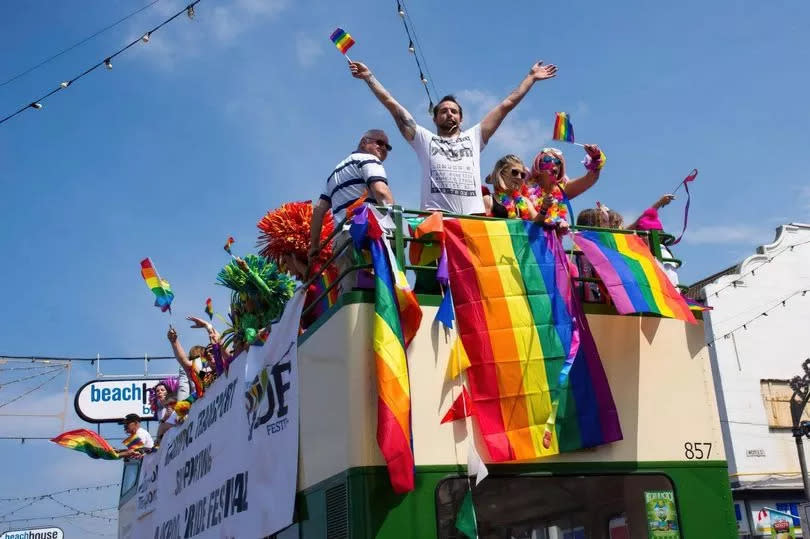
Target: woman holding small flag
550	187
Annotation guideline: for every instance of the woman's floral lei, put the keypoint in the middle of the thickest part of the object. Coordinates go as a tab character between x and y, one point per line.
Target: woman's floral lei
516	203
558	211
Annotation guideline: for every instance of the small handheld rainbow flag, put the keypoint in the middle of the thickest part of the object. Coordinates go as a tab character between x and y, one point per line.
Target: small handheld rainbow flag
209	308
342	40
162	290
563	130
133	441
228	244
87	442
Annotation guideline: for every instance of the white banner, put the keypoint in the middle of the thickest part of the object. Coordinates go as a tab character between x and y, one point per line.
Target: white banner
224	472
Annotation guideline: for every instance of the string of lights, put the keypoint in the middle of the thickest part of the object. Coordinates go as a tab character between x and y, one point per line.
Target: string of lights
68	515
56	492
29	504
744	326
419	48
106	62
77	44
79	511
90	359
407	22
43	373
18	397
753	271
35	367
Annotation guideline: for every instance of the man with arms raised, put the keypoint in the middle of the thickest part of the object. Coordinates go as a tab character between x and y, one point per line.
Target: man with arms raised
451	167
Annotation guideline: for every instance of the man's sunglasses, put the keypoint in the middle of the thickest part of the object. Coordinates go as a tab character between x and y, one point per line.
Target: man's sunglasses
550	159
380	142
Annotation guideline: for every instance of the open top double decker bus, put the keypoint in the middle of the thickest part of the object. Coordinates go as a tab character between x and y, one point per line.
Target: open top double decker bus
667	476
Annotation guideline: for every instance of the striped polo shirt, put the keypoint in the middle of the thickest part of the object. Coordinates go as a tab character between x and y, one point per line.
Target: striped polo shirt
350	180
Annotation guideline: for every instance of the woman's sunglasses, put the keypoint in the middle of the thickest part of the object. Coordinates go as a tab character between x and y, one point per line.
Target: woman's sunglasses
517	173
550	159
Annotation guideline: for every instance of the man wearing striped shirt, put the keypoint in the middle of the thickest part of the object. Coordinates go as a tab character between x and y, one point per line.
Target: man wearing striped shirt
358	178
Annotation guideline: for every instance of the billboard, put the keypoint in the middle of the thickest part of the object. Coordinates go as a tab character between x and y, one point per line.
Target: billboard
34	533
110	400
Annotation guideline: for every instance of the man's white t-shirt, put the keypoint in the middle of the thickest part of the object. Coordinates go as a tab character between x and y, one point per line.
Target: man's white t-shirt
145	437
451	170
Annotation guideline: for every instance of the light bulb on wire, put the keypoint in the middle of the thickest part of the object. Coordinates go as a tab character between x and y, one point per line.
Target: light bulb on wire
146	37
190	11
411	48
108	63
400	10
64	84
35	105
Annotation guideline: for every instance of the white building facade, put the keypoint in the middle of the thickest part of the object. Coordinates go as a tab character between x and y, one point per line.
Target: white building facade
759	335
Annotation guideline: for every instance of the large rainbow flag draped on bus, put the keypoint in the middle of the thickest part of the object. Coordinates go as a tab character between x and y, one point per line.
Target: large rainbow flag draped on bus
634	279
535	376
397	316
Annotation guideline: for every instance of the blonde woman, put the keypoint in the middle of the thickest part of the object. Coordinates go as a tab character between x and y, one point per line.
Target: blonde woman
550	187
510	197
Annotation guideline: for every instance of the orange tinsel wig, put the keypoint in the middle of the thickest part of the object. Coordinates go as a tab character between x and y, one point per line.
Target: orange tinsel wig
286	230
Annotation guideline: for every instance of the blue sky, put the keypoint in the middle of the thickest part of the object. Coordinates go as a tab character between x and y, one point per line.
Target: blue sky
193	136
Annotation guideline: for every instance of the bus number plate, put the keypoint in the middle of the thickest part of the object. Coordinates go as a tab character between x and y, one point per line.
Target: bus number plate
697	450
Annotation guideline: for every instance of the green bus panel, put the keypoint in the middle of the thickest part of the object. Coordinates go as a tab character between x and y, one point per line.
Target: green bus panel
359	503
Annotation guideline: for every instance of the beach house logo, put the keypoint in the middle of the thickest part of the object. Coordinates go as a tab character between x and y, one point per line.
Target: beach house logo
34	533
265	396
110	400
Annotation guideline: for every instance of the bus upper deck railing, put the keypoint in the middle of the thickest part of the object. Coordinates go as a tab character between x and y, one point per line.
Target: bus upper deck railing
399	239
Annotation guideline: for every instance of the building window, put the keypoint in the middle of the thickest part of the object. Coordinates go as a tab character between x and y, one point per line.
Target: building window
776	398
562	507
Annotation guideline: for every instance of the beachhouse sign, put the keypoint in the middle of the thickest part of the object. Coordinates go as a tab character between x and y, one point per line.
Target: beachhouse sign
110	400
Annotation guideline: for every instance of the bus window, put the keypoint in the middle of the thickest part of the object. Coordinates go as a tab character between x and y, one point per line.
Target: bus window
562	507
130	478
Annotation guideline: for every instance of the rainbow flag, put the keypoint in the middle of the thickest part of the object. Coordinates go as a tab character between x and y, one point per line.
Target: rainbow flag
87	442
342	40
536	380
326	278
228	244
397	316
133	441
209	308
696	306
563	130
634	279
161	288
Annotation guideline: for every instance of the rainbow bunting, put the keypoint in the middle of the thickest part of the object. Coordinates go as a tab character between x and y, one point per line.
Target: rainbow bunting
634	279
87	442
397	316
228	244
161	289
563	130
209	308
342	40
536	380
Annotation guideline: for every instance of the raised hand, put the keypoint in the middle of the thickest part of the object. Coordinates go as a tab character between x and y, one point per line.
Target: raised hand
359	70
664	200
171	335
198	322
543	72
593	150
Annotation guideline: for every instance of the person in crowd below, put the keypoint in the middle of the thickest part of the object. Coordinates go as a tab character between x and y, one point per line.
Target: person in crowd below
450	160
138	439
551	188
649	220
510	198
358	178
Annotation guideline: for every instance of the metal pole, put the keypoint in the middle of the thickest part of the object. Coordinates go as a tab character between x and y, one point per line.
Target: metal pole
802	465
